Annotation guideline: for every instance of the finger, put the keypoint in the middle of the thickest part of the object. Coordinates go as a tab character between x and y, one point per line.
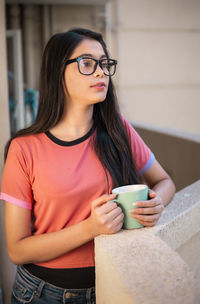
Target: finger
118	219
114	213
108	207
147	204
147	218
155	210
118	223
115	224
151	193
119	227
103	199
147	224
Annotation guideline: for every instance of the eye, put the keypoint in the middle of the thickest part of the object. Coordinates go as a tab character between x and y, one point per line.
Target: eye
107	63
104	64
86	62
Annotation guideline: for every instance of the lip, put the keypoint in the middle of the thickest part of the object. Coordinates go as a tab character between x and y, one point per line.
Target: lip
99	85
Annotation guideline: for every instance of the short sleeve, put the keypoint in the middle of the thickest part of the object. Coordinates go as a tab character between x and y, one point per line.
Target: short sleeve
16	187
142	155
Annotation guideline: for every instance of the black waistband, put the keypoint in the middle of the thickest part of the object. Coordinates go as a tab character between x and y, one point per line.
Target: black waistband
69	278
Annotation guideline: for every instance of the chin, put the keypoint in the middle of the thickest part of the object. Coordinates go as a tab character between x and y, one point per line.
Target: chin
98	101
100	98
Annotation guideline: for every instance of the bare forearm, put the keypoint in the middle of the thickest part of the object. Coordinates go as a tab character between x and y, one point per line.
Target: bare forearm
26	248
159	181
165	189
40	248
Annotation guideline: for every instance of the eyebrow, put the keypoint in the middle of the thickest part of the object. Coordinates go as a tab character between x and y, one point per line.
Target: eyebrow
90	55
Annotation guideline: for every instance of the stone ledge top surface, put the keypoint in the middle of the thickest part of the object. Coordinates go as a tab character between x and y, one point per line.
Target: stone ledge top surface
183	208
152	271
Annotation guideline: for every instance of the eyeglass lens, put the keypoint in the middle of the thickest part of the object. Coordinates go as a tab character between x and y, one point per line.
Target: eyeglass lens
87	66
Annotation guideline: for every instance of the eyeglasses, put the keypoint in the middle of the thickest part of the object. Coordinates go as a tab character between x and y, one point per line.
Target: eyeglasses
88	65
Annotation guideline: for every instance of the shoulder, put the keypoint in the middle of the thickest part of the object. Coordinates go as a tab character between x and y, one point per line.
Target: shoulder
26	143
27	140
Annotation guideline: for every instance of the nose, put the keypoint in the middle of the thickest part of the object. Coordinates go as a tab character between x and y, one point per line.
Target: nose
98	72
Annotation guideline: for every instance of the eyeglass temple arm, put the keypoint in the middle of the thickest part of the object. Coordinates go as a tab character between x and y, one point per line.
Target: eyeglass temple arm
70	61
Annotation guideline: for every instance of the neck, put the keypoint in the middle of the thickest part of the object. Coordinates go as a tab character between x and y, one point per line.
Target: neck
76	122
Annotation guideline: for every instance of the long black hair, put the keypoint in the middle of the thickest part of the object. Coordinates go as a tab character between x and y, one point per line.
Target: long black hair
112	144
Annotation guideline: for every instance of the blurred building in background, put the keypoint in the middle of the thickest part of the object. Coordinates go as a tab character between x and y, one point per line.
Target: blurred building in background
157	45
29	25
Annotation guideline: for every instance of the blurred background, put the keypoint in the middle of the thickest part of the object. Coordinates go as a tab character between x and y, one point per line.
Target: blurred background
157	45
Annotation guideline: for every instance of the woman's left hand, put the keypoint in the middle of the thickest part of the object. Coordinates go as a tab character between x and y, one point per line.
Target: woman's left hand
148	212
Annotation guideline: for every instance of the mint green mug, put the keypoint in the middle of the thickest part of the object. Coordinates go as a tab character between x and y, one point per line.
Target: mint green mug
126	196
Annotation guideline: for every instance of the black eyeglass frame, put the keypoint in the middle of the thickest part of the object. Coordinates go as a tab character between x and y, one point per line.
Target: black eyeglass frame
98	62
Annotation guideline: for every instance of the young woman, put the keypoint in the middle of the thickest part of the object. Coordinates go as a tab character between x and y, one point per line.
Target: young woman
59	174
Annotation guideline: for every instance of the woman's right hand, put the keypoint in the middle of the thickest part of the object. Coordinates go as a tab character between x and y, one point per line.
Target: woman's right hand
105	218
25	247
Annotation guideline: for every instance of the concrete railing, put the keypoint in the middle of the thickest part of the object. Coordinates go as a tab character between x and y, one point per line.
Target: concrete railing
158	265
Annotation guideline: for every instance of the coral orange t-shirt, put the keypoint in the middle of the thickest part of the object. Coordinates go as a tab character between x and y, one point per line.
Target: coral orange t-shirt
58	181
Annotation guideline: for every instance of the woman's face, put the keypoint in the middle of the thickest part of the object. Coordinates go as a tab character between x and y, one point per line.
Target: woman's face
86	89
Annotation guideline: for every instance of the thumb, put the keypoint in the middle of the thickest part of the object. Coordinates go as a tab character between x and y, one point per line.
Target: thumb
102	200
152	194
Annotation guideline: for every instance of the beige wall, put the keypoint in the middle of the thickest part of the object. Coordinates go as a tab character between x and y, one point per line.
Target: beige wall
68	16
158	45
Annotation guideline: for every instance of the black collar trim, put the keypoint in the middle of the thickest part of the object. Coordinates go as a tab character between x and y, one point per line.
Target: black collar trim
70	143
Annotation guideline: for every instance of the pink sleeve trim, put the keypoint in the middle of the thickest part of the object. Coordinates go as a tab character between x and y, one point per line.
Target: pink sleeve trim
15	201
